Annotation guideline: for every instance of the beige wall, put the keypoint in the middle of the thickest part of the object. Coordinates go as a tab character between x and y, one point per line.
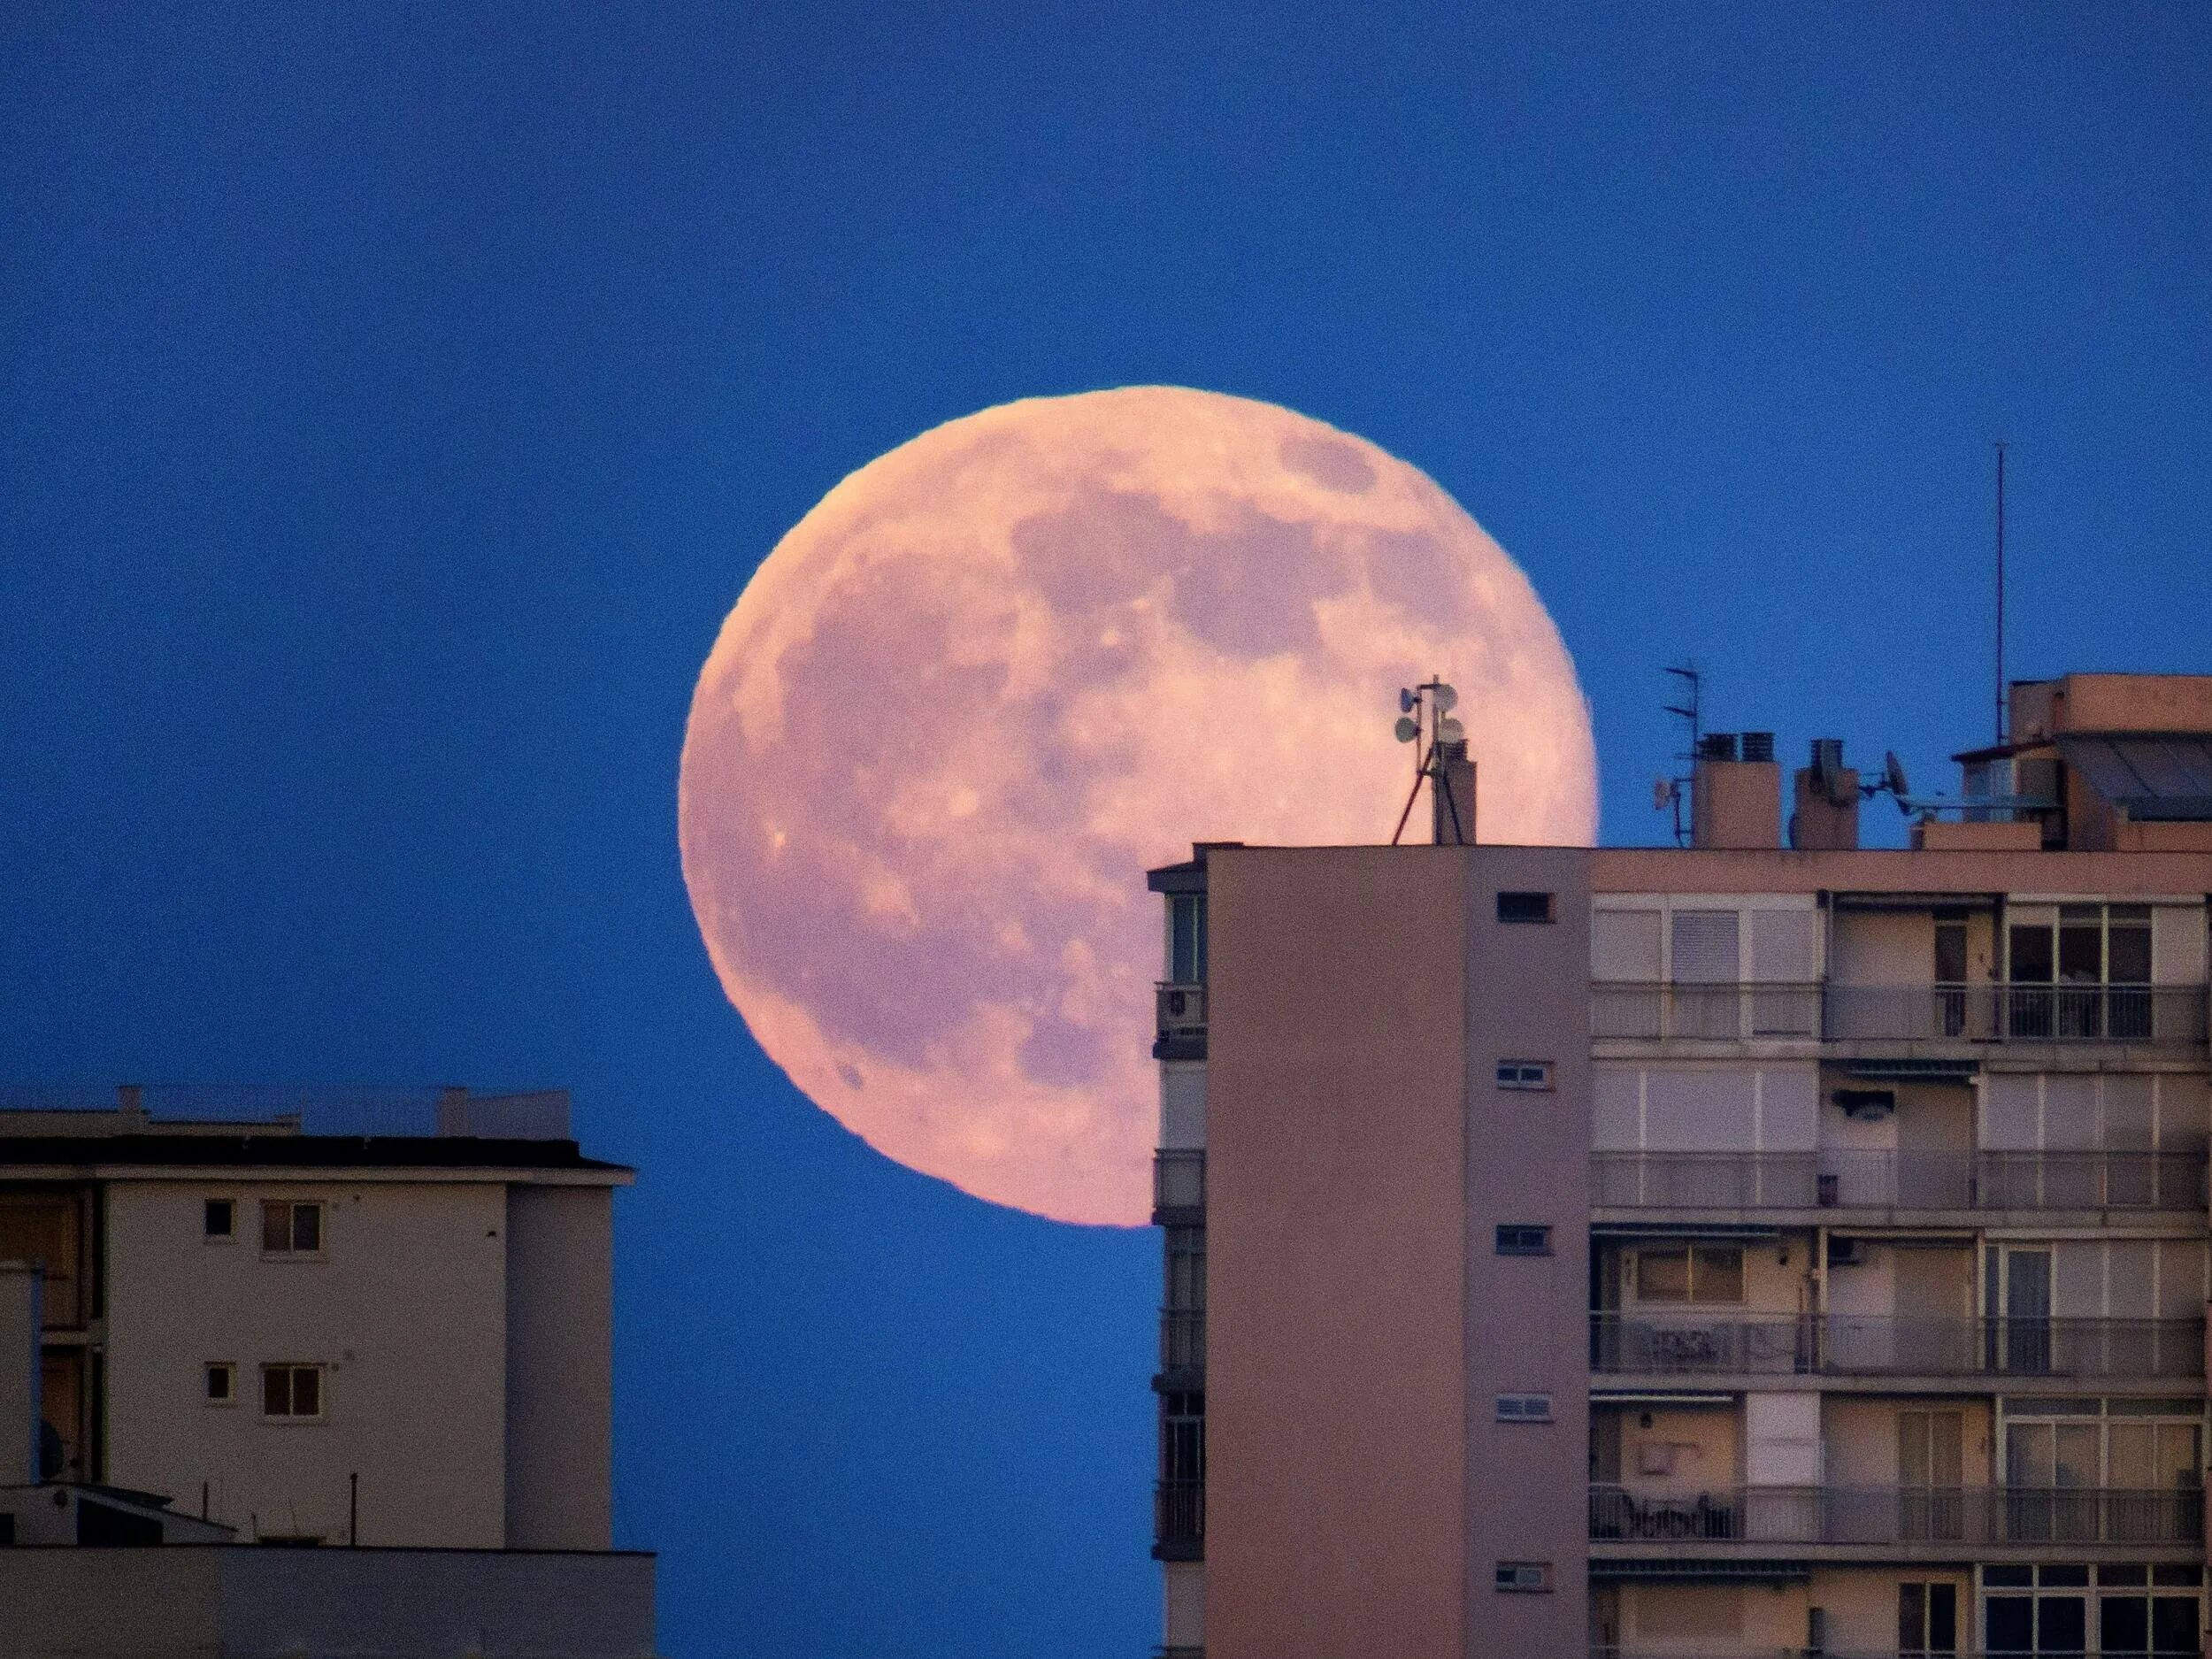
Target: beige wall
560	1367
1861	1604
1704	1619
1336	1105
407	1307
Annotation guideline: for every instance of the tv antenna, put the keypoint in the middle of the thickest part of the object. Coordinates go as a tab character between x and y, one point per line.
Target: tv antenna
2000	593
1424	720
1671	792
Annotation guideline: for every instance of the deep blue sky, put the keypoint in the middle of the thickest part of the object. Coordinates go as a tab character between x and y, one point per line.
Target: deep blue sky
397	399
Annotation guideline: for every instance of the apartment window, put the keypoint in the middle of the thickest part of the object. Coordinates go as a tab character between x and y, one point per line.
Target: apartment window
291	1391
291	1229
220	1383
1694	1272
1525	907
1186	939
1927	1617
1521	1239
1523	1074
1524	1577
1523	1408
218	1218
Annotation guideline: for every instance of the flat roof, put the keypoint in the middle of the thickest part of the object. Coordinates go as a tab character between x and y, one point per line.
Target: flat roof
297	1152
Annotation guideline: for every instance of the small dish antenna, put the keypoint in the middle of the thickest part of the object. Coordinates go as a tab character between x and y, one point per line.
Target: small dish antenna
1424	721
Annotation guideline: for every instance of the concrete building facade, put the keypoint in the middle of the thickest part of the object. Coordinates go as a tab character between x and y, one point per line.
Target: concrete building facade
1766	1247
222	1329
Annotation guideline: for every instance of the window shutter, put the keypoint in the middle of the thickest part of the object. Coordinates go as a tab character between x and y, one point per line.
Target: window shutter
1782	946
1705	947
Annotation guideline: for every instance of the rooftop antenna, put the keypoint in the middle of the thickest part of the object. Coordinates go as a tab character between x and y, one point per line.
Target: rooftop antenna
1424	720
2000	593
1671	792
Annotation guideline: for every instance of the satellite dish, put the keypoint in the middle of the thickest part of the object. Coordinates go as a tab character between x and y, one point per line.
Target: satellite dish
1893	775
1451	730
1407	730
1406	700
1662	794
1447	699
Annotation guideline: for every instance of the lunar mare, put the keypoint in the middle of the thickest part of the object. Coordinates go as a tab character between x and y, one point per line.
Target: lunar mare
1002	670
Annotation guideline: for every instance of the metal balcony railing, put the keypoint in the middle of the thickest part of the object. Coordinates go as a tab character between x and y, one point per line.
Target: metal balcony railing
1181	1006
1851	1179
2153	1015
1179	1178
2160	1015
1693	1344
1179	1511
1899	1515
1182	1339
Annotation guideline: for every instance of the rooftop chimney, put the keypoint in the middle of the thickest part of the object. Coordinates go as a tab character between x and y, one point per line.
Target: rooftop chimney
1452	795
1736	803
1827	815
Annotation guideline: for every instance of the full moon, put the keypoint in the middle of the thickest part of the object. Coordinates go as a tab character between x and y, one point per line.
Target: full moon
999	672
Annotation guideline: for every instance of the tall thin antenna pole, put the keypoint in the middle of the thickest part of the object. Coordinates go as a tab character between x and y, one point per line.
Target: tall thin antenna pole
2001	592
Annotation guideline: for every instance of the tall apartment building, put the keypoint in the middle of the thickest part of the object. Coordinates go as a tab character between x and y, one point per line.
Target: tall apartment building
1765	1247
377	1323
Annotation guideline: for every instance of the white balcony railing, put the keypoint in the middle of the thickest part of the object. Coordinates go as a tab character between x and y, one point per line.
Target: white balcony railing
2154	1016
1717	1344
1899	1515
1843	1178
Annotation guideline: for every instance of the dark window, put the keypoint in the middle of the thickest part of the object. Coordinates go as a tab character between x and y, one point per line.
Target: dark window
220	1217
1523	1577
292	1391
1525	907
1521	1239
1523	1074
219	1379
1186	938
291	1229
1523	1408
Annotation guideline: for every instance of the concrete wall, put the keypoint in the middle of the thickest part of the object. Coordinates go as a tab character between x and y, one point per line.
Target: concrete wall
1337	1093
1528	1161
181	1602
560	1367
406	1305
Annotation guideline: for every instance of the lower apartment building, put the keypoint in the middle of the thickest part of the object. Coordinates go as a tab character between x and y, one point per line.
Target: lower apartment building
375	1330
1767	1247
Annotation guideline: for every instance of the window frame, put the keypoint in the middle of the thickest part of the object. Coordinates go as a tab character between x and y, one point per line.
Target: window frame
1513	1238
1523	1407
1689	1298
293	1370
228	1370
1520	1078
293	1209
1522	1577
229	1233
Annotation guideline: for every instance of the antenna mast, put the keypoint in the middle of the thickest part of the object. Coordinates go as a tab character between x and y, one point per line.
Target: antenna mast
1691	710
2001	592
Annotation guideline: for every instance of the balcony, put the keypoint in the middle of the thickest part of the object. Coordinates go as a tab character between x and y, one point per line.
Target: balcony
1921	1516
1182	1339
2146	1015
1854	1179
1180	1010
1178	1184
1179	1519
1842	1345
